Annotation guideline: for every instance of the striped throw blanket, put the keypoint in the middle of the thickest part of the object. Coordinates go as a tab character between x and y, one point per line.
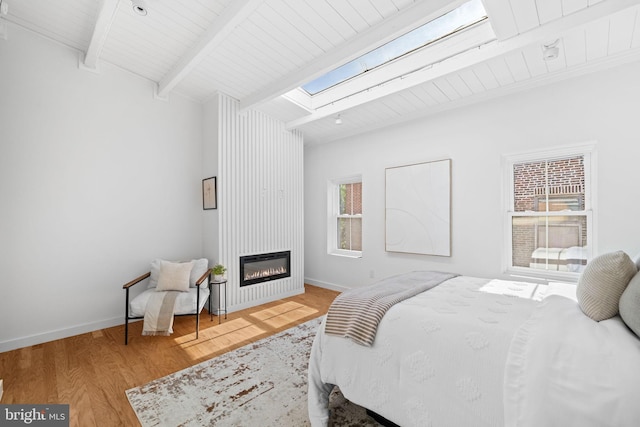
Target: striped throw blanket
356	313
158	315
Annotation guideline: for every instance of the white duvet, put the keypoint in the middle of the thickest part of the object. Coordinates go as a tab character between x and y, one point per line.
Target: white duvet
565	369
457	356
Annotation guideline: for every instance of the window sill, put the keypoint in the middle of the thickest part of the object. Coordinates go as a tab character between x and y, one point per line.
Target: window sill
543	275
346	254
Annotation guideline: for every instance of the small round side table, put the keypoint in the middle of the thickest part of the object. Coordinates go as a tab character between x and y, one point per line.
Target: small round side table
219	284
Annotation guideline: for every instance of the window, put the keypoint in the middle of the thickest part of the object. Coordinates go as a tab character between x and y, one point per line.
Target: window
549	215
462	17
345	217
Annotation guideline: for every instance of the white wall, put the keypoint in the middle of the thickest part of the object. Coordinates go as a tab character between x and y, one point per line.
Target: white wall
96	179
210	217
603	107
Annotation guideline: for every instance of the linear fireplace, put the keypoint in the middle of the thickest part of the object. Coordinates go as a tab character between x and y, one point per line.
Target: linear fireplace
264	267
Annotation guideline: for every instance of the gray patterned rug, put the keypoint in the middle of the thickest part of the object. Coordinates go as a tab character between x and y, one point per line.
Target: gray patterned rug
260	384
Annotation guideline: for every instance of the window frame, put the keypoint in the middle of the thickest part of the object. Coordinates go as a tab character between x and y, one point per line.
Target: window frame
588	151
333	214
428	33
392	73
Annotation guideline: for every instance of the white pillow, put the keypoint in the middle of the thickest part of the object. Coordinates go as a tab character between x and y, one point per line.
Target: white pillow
602	282
200	266
155	273
174	276
567	290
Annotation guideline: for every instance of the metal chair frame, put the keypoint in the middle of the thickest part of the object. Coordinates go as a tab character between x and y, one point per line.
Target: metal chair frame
128	286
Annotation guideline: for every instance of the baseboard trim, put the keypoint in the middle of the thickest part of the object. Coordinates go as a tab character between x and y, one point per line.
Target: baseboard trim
326	285
260	301
59	334
30	340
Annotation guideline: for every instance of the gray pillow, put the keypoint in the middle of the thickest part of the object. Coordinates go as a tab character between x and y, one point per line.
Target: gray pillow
630	305
602	283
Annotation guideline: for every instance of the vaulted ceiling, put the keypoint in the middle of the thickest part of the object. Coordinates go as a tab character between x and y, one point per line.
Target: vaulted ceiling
258	51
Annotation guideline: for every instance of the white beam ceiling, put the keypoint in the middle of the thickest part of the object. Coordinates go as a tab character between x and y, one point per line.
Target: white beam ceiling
541	34
419	13
229	19
100	32
501	17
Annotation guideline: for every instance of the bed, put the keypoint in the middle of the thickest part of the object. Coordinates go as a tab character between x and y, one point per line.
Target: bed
479	352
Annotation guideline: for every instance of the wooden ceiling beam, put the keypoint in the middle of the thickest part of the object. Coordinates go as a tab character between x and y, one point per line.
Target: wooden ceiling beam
542	34
406	20
222	26
501	18
101	29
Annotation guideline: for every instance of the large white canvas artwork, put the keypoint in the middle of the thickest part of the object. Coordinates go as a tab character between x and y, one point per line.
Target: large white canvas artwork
418	208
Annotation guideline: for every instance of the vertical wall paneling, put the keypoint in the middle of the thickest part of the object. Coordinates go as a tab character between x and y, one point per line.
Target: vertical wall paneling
261	200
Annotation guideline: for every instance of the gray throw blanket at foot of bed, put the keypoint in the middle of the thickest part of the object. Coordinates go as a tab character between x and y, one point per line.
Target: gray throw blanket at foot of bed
356	313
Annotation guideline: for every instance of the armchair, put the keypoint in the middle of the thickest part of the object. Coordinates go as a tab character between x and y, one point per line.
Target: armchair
189	302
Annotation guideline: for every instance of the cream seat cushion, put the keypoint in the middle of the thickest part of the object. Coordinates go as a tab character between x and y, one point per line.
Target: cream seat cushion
185	302
602	283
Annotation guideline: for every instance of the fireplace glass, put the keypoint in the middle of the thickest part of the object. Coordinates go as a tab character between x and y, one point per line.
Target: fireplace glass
264	267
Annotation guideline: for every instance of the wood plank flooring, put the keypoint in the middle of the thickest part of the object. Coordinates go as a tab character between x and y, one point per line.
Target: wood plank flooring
91	372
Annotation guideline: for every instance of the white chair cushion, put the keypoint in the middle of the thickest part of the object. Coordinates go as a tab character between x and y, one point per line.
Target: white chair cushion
185	303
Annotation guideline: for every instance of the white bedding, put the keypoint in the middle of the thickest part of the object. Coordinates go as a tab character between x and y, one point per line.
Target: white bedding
565	369
457	356
437	358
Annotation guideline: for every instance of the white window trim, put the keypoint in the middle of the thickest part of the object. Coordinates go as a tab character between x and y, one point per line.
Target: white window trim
588	149
333	205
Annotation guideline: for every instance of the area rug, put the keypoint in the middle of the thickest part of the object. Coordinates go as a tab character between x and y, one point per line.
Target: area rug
260	384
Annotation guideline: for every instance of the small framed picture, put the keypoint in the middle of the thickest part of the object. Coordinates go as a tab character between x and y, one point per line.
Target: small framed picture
209	196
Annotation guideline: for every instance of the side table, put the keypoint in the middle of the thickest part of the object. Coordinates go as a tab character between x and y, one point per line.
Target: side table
219	284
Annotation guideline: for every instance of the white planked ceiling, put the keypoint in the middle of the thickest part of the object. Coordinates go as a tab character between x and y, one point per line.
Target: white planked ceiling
257	50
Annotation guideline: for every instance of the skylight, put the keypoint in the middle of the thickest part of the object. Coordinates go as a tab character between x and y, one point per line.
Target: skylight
464	16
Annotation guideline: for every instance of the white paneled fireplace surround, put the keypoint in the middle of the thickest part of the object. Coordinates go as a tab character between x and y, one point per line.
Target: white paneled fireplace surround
260	200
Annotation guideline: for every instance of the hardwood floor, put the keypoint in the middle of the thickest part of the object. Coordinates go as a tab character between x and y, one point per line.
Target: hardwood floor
91	372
